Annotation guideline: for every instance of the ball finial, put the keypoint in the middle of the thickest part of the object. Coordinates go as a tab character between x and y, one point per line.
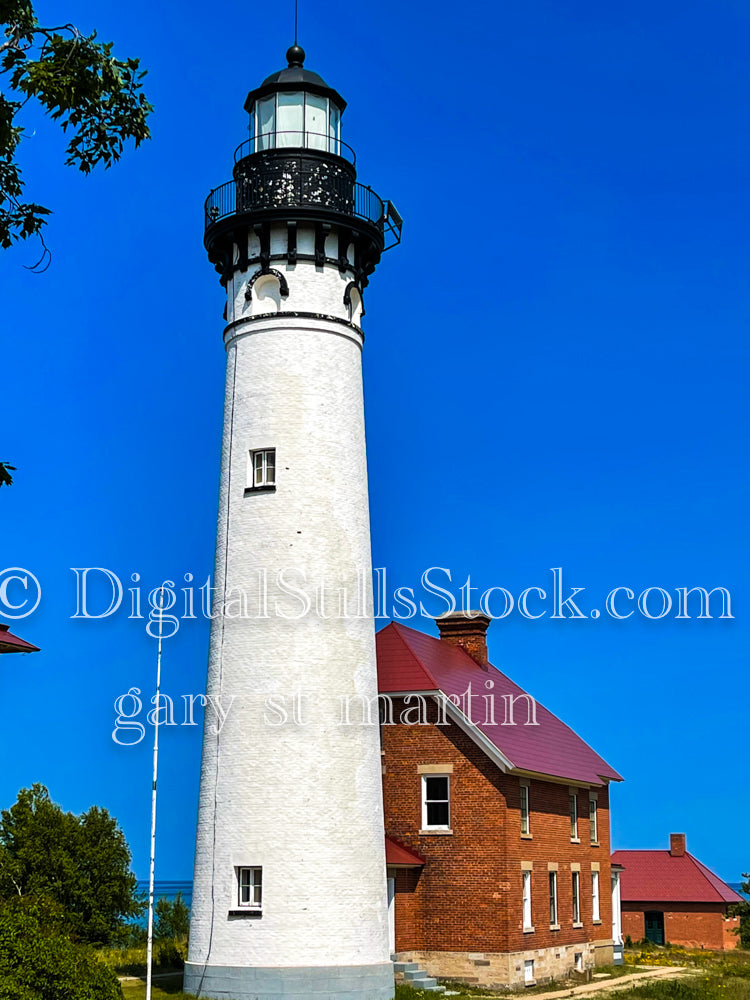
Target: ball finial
295	55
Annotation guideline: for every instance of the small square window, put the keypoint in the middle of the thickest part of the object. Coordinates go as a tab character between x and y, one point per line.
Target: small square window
250	887
436	803
261	472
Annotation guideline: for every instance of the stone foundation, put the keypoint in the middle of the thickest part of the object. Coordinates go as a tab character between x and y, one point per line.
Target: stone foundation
505	969
350	982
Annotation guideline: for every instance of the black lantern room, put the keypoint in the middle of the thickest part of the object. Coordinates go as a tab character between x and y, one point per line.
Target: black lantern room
295	168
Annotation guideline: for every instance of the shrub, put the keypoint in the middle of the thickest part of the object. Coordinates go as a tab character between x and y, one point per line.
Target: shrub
169	955
172	918
39	962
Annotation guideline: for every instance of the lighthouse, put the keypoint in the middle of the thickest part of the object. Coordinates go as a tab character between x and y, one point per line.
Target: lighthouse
289	894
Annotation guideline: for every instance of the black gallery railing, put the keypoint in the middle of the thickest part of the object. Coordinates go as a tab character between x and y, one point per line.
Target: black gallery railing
247	194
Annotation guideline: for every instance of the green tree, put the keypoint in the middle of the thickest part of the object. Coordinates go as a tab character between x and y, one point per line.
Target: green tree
172	918
39	962
742	910
81	863
79	83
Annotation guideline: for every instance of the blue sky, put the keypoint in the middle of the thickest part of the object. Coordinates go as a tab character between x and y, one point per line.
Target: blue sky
555	375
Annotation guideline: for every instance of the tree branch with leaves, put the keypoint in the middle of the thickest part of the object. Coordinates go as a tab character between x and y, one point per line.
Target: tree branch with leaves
77	80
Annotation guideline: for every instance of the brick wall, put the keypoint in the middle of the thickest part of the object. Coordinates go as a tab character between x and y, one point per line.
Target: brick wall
693	925
468	897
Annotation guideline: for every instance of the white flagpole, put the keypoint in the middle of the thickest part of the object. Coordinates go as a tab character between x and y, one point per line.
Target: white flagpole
150	945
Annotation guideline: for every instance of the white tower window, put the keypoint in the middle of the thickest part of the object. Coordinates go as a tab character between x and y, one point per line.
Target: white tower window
250	887
261	473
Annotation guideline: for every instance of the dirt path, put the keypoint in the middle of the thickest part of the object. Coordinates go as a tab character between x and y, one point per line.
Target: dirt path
618	983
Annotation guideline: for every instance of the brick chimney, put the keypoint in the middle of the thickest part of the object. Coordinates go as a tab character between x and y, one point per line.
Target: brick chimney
467	630
677	845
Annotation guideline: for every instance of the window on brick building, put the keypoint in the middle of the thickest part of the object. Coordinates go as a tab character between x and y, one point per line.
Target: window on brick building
261	472
436	803
593	820
595	909
527	925
525	811
250	887
553	899
573	816
576	879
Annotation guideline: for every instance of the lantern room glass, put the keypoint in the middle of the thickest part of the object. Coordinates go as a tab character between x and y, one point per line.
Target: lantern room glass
297	120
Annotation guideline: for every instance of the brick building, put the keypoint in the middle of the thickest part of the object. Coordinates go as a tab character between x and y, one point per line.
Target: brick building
500	813
669	896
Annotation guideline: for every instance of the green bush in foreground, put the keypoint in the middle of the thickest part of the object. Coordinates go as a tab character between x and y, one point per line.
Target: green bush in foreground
39	962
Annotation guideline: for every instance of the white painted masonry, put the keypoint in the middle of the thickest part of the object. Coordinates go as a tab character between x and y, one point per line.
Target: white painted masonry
304	802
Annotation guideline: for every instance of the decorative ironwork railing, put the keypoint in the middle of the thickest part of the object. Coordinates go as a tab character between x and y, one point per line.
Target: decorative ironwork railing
243	195
300	180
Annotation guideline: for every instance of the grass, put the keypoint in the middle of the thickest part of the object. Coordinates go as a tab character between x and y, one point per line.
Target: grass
169	956
163	989
712	976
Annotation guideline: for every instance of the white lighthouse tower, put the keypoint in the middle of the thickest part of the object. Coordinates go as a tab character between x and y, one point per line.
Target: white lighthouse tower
289	896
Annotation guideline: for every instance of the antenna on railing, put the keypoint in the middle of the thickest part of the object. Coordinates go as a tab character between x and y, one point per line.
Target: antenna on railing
295	22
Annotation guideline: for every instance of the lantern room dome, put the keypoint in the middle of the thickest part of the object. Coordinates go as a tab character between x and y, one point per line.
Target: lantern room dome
295	77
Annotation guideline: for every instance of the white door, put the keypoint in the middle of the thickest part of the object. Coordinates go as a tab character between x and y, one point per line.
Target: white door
392	914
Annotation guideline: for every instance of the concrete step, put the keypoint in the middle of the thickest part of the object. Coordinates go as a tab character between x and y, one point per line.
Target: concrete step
426	983
414	973
405	967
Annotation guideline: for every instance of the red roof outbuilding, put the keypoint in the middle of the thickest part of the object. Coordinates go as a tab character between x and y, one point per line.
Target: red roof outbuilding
661	877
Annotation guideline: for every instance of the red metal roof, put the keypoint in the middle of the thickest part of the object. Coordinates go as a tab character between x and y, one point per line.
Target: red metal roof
412	661
10	643
658	877
398	856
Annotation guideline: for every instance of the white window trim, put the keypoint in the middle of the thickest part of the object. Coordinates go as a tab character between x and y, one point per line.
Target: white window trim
576	894
255	884
439	827
596	913
574	838
552	881
594	819
525	809
528	926
265	481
